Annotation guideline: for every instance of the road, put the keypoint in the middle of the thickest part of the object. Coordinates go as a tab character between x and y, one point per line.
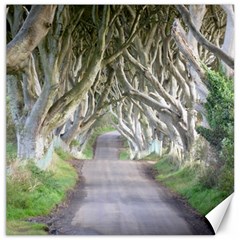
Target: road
118	198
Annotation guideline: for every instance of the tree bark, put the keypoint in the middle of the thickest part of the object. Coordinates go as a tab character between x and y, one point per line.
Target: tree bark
228	44
30	146
34	29
67	104
202	40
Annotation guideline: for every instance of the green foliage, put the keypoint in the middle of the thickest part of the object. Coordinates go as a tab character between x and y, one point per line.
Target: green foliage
203	199
220	109
11	152
124	154
164	165
103	125
62	154
97	131
220	115
33	192
88	151
226	180
209	177
74	143
16	227
220	102
227	152
187	183
124	142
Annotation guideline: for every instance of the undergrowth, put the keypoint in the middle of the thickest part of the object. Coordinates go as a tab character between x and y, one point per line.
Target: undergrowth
220	134
88	151
11	152
32	192
124	153
186	181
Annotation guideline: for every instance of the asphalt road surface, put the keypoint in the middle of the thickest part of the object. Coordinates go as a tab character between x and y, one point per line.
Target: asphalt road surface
118	198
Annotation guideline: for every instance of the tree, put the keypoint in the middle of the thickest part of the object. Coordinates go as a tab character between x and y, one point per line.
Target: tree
146	63
36	111
203	41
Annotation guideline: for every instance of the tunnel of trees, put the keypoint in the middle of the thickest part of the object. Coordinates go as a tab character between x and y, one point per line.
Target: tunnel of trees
161	72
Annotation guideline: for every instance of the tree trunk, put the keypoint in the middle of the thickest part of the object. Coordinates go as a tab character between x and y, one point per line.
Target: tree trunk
161	144
228	45
202	40
175	154
34	29
29	146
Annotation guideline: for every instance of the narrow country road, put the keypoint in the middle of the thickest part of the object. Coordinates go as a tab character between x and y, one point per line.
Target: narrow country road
118	198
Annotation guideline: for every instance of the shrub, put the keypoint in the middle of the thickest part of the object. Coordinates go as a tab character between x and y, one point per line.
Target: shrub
220	115
226	180
11	152
33	192
209	177
62	154
74	143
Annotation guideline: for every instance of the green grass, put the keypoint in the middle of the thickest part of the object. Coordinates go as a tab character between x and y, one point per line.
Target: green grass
62	154
88	151
125	142
124	154
185	181
16	227
32	192
11	152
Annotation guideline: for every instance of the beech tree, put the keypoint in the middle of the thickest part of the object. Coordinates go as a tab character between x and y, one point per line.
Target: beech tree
38	113
177	79
91	108
74	51
68	65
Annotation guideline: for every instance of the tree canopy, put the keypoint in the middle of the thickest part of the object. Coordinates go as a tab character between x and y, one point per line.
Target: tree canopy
147	65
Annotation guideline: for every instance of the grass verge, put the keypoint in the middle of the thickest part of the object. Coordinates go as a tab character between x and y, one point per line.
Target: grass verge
88	151
32	192
11	152
186	182
17	227
124	153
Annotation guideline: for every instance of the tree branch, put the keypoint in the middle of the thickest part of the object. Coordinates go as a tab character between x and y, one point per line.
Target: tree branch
180	38
202	40
34	29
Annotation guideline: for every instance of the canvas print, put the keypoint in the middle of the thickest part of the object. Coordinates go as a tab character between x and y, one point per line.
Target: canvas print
120	118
